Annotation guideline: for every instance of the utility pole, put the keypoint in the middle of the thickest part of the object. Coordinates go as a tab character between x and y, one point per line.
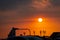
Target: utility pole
34	33
24	33
44	32
40	33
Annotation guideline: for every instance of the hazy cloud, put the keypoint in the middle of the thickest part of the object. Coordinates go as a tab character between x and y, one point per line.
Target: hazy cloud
55	2
41	4
28	8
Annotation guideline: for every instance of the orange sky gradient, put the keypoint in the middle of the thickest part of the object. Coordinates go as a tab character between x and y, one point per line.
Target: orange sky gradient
26	16
49	25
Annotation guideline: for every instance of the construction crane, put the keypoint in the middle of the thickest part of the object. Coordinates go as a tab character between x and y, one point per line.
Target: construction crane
13	31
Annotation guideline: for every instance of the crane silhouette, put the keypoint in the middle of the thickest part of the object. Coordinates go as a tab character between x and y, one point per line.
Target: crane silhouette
13	31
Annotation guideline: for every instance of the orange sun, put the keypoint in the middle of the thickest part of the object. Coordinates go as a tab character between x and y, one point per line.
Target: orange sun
40	19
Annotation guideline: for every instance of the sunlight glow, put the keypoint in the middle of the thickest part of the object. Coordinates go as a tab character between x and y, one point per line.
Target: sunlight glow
40	19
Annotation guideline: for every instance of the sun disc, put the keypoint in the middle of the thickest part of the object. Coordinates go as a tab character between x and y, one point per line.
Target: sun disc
40	19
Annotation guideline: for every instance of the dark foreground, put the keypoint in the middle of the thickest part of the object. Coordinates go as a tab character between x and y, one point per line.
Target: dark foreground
54	36
12	36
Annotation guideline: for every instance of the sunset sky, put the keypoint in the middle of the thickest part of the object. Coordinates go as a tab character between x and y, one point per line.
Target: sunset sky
25	14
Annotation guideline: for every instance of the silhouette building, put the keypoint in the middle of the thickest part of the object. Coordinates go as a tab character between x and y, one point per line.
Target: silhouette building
55	36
